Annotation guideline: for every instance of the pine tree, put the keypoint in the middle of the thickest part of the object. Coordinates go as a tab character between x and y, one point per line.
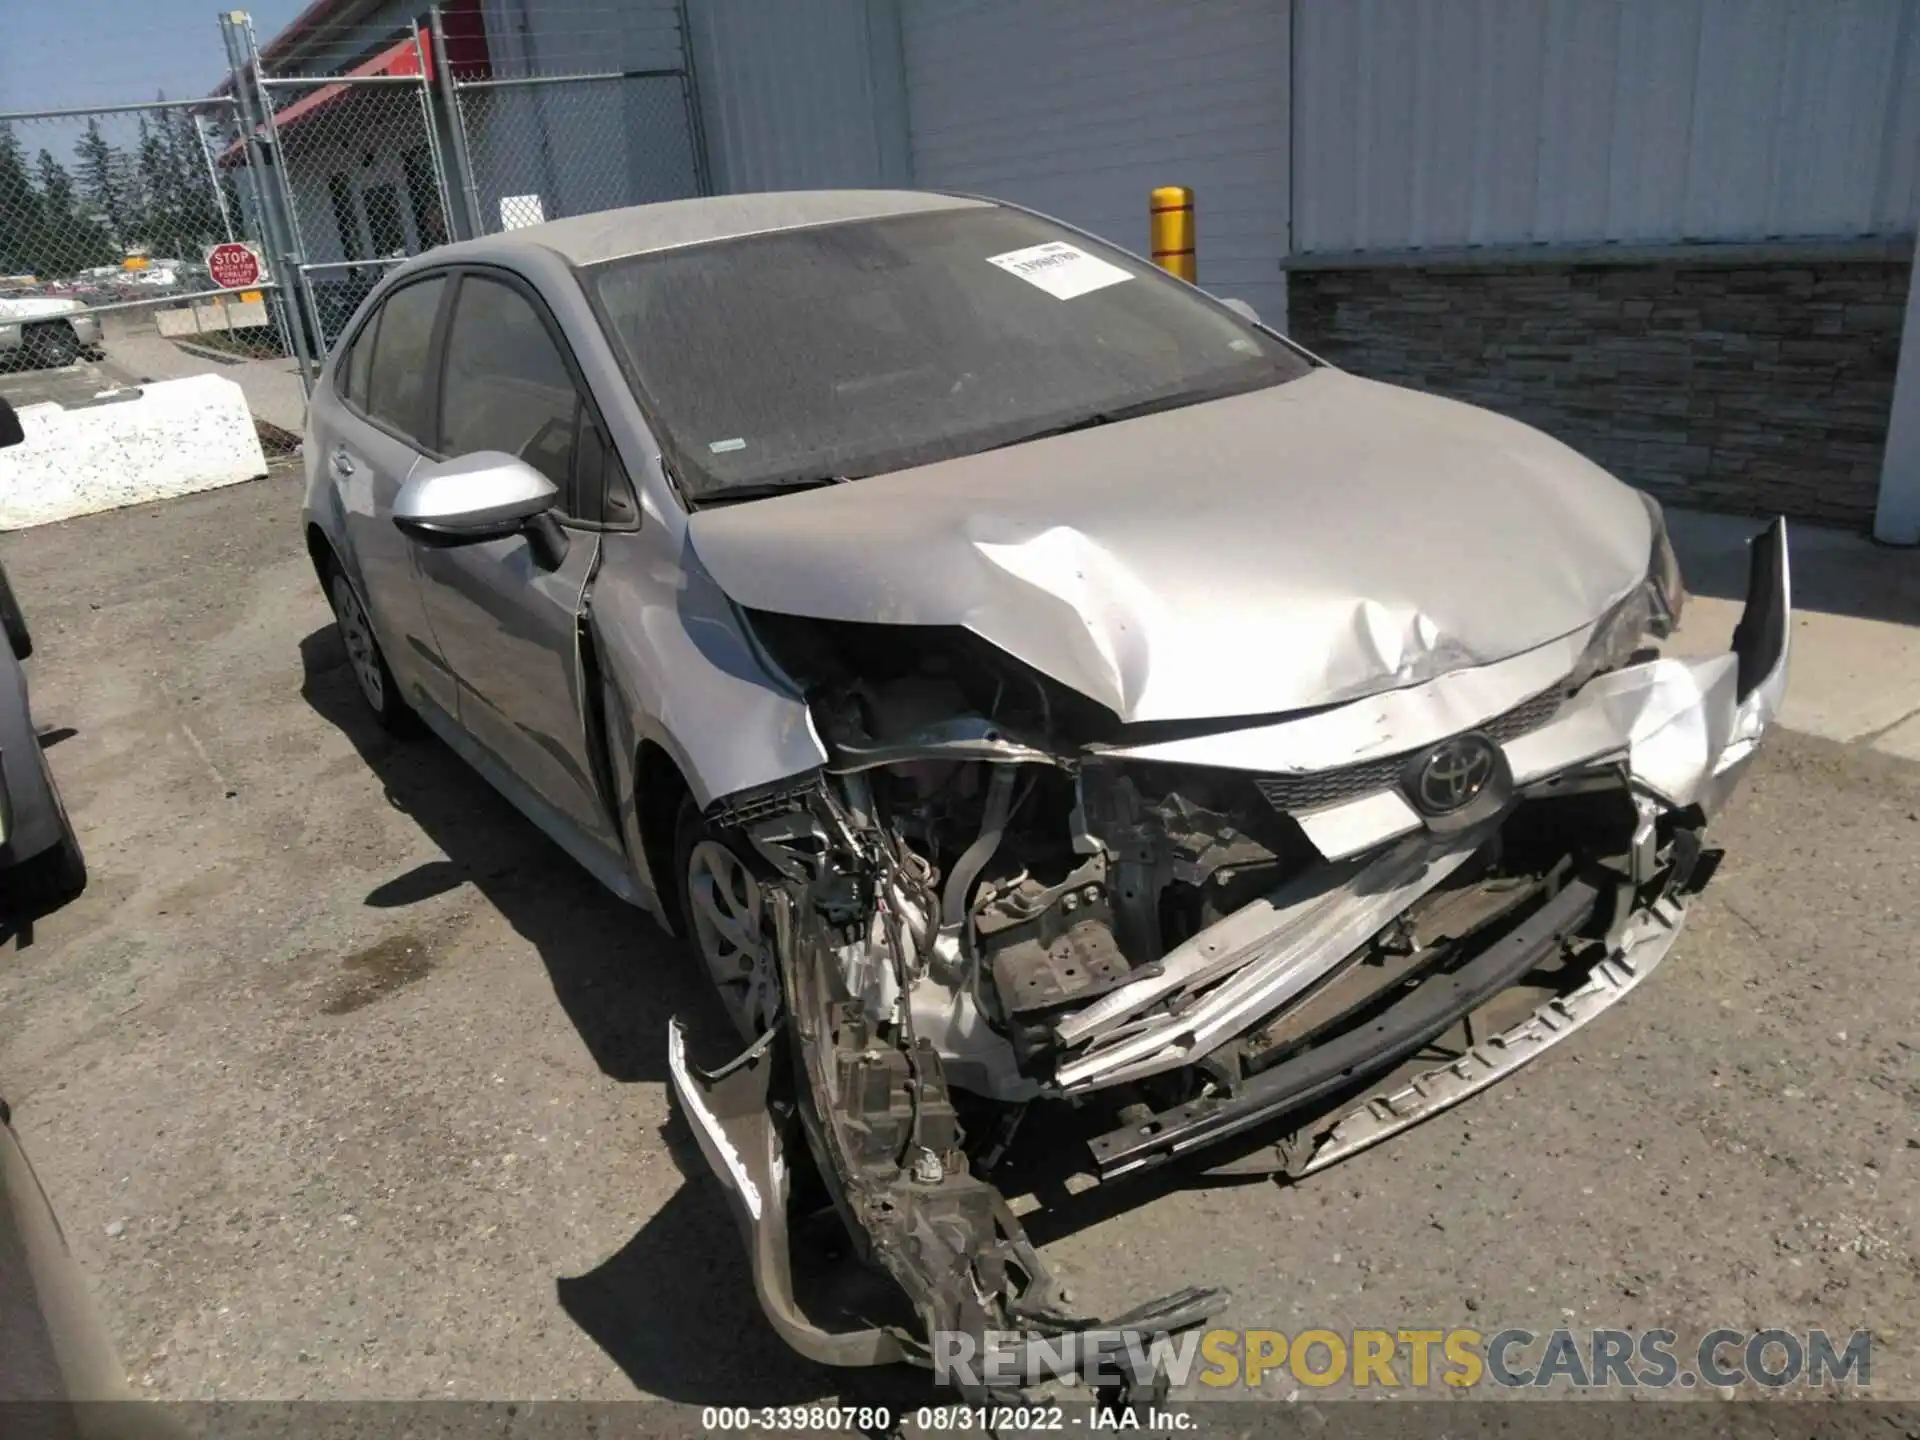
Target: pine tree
179	215
21	224
155	227
200	220
56	185
70	241
103	181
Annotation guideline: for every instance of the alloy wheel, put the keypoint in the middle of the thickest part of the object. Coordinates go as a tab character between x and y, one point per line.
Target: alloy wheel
361	651
729	923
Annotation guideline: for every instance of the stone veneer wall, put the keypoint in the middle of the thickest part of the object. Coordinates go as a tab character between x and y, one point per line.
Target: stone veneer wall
1749	387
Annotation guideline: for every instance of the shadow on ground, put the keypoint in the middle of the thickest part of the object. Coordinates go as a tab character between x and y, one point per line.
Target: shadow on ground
615	972
675	1307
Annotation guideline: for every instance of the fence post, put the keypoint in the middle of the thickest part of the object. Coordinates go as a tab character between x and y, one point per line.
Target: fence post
456	127
690	93
433	133
310	319
236	29
213	176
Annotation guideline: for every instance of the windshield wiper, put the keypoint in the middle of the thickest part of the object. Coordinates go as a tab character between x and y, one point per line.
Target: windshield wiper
1132	411
761	489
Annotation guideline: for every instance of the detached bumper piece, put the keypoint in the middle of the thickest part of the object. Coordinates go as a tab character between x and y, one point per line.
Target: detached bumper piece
741	1141
1493	1060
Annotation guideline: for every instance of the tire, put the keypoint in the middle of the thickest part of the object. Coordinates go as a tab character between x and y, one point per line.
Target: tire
51	346
365	658
716	889
12	622
44	882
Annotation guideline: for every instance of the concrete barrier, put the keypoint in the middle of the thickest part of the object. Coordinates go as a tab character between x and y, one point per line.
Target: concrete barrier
211	318
173	437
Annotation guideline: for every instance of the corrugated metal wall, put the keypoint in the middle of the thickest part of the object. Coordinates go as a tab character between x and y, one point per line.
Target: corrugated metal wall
1455	122
537	37
800	94
1080	107
580	147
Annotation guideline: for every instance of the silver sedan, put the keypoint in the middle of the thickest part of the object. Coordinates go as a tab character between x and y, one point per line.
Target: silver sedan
1037	692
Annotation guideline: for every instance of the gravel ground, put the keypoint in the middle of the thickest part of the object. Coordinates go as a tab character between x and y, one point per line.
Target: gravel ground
347	1083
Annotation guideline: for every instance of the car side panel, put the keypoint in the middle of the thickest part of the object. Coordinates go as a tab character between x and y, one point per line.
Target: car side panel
52	1344
508	629
34	815
675	667
688	679
358	469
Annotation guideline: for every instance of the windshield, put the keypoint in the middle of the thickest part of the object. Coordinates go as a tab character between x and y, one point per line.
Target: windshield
839	351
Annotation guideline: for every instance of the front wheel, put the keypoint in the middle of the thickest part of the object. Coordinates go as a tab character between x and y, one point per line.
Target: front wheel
364	657
723	914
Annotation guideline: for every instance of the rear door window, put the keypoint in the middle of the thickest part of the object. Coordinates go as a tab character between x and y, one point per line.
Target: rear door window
397	393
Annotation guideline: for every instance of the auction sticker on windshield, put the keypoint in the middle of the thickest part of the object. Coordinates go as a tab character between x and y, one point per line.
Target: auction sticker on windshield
1060	269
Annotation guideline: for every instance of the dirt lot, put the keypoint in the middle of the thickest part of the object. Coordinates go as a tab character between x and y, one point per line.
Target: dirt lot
347	1083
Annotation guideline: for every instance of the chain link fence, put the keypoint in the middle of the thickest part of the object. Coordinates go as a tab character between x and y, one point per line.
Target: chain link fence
527	145
559	120
363	181
107	217
331	155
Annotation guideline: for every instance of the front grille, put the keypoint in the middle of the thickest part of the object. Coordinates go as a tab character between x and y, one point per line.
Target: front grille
1294	794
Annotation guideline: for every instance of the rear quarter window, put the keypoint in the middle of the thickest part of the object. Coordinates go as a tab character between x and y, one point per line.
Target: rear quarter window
351	374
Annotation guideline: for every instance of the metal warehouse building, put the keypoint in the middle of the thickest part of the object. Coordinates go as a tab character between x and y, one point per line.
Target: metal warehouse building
1676	233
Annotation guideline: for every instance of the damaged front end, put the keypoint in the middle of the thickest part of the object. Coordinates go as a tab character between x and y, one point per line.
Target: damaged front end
995	904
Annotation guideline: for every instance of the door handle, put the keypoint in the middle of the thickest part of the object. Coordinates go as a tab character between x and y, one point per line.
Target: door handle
342	462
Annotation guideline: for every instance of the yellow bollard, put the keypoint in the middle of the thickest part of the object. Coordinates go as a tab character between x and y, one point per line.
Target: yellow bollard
1170	216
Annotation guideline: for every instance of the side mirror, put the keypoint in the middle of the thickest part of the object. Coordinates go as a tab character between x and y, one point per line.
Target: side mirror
1240	308
488	495
11	432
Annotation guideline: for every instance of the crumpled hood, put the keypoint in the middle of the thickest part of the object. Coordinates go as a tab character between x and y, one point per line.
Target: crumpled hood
1311	543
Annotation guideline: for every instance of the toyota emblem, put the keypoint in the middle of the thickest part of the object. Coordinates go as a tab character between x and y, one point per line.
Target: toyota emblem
1454	774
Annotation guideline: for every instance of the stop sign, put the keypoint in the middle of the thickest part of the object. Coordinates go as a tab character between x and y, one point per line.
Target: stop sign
233	266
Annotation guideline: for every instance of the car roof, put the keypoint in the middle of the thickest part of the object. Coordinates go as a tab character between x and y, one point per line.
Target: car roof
642	229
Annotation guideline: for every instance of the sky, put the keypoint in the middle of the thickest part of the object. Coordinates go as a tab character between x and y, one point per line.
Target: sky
62	53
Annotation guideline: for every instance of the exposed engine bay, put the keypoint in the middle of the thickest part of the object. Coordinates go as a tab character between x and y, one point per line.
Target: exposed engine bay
996	906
